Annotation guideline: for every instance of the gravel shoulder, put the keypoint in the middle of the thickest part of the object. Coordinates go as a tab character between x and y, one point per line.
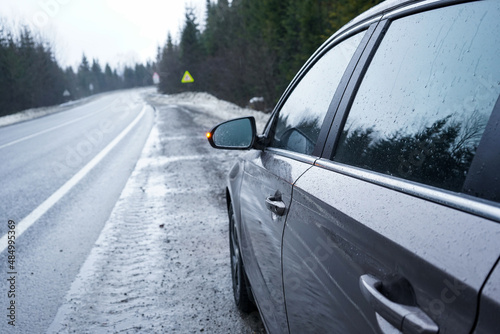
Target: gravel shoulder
161	263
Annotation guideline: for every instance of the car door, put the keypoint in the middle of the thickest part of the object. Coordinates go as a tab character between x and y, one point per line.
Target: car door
396	227
489	305
269	174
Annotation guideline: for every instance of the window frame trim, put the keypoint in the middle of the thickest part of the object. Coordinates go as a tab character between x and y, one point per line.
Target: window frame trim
482	179
384	23
369	28
460	201
342	88
345	105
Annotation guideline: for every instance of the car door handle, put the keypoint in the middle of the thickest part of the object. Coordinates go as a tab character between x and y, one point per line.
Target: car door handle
406	318
276	205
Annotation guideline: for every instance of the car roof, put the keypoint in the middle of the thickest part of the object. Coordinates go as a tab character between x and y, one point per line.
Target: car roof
388	6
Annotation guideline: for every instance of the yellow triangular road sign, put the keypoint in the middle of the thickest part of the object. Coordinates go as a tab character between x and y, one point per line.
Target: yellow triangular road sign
187	78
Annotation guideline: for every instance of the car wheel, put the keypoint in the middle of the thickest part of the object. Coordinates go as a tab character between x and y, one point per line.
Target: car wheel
241	286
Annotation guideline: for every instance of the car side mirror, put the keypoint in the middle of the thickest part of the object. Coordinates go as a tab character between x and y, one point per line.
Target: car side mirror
237	134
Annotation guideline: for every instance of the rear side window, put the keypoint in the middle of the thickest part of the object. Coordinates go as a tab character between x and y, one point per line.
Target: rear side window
427	96
301	117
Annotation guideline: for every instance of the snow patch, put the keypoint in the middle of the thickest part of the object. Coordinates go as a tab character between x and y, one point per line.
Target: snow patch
208	103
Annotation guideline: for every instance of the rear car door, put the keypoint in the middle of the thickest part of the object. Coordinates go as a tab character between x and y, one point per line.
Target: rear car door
489	304
269	174
397	228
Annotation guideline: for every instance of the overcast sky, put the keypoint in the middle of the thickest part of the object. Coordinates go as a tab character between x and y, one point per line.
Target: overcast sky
117	32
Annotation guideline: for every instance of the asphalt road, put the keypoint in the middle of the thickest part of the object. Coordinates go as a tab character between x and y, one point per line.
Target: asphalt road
161	263
61	176
119	219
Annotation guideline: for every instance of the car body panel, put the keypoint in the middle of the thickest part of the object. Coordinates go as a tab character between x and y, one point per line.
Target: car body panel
265	175
489	304
350	227
432	249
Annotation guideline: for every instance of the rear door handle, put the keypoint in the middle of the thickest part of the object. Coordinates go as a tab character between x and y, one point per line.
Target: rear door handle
276	205
408	319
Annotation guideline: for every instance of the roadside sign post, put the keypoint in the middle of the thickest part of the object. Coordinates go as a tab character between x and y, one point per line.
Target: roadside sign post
156	78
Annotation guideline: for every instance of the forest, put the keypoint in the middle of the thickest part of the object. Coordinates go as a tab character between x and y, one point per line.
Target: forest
30	76
250	48
242	49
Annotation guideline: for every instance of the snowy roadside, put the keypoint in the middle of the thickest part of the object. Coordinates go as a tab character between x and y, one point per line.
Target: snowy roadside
204	101
29	114
33	113
161	263
208	103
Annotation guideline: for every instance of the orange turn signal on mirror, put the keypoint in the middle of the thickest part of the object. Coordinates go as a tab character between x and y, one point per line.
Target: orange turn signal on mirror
209	134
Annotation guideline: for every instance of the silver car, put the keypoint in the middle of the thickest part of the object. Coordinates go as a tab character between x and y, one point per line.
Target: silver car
370	203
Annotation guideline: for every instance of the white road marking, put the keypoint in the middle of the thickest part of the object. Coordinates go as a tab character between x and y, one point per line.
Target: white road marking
52	128
29	220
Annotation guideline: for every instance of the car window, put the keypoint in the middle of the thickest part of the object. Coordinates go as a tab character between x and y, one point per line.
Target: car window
427	95
301	117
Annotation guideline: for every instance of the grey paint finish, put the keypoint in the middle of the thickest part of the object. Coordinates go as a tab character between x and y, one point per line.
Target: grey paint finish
339	228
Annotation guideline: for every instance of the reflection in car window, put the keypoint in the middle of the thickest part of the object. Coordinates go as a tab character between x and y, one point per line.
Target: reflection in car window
302	115
425	100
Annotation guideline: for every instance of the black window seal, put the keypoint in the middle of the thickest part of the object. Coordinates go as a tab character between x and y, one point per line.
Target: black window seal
339	119
483	179
341	88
